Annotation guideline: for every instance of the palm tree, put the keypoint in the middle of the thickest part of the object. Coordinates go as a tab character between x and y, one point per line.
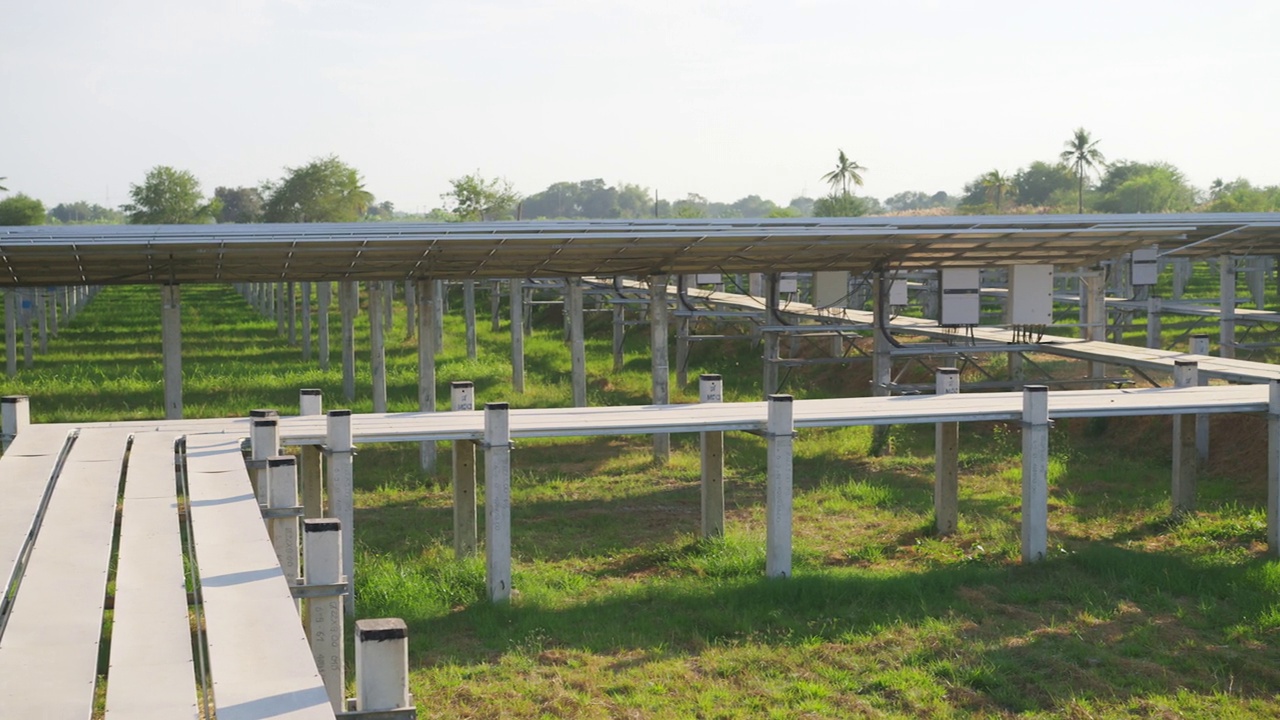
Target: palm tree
996	184
846	171
1083	155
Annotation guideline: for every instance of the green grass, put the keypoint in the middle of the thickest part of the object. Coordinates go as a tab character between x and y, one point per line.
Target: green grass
621	611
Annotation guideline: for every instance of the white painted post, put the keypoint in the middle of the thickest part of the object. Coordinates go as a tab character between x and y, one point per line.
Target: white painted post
282	497
171	347
1184	444
661	368
382	665
15	416
469	315
462	397
1227	290
946	462
1035	473
517	335
322	549
340	452
323	292
377	348
311	403
577	343
426	292
497	500
264	442
779	437
1200	346
306	321
1273	469
11	332
1153	322
711	390
349	305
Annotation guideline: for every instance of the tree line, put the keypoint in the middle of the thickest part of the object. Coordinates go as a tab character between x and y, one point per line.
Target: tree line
1078	179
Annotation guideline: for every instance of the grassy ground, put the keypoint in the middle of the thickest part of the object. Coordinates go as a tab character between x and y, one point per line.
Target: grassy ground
622	612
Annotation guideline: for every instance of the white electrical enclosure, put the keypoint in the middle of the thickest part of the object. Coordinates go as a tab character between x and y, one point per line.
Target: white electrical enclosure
1031	295
960	301
788	282
707	279
898	291
831	288
1145	268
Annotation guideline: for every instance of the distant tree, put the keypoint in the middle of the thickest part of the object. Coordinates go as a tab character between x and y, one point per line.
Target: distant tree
802	205
1240	195
692	206
847	171
1039	182
381	212
996	186
784	212
1083	156
839	205
81	212
476	199
169	197
324	190
909	200
753	206
1131	187
239	205
634	201
21	210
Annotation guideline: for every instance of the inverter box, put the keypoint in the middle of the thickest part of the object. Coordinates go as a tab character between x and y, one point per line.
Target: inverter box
831	288
898	291
707	279
1145	268
1031	295
961	304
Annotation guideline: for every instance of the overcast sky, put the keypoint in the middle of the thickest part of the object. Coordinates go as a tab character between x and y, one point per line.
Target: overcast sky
723	98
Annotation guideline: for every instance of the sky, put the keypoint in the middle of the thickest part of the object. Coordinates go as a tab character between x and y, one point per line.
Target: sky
719	98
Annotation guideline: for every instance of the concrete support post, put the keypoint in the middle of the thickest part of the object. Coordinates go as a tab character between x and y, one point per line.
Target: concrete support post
946	462
682	351
311	403
1200	346
291	310
577	343
1153	322
339	465
441	300
779	437
323	292
881	360
10	333
282	498
171	348
54	311
1035	473
469	315
388	289
264	443
322	549
281	313
495	306
517	335
28	344
42	315
1227	291
15	416
1185	374
349	306
1096	317
410	309
1181	274
426	295
306	322
619	334
382	665
711	390
377	348
497	501
772	340
1273	469
463	399
661	368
